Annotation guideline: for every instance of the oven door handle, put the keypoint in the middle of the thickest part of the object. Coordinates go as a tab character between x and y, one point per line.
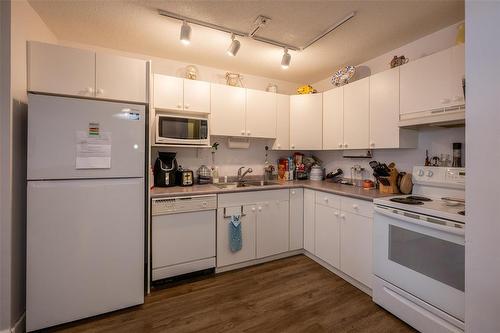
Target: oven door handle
434	223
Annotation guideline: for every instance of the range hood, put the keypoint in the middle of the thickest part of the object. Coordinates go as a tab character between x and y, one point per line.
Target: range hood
442	117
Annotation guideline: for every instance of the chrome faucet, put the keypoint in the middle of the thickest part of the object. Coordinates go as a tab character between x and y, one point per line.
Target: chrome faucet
240	175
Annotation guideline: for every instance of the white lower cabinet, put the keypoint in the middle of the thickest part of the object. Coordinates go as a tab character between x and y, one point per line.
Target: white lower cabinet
264	225
309	233
272	228
356	247
248	220
296	219
328	235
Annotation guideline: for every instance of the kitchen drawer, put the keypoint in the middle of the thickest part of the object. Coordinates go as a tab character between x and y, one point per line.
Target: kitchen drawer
356	206
327	199
252	197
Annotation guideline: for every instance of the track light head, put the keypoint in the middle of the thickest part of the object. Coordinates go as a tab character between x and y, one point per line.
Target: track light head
185	36
285	60
234	47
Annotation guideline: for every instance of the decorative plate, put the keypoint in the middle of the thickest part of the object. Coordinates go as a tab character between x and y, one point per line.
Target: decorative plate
342	76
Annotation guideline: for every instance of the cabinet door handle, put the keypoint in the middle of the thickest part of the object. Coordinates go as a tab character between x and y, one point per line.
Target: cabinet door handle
292	146
355	206
445	101
326	199
253	209
242	132
336	213
248	133
345	145
260	208
89	90
186	106
340	145
179	105
293	192
342	216
100	91
279	146
372	144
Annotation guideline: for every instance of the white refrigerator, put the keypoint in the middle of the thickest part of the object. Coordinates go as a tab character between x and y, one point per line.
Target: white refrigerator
85	208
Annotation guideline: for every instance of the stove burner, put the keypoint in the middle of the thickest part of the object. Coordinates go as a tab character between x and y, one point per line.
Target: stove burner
408	201
418	198
462	212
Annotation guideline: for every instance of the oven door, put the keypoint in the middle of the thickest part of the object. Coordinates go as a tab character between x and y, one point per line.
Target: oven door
182	130
424	256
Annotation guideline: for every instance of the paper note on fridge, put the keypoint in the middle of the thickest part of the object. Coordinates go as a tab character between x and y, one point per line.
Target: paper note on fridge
93	151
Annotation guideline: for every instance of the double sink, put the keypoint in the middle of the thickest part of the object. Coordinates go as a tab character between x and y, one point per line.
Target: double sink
245	184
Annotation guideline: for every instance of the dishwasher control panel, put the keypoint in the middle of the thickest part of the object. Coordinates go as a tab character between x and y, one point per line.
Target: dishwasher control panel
161	206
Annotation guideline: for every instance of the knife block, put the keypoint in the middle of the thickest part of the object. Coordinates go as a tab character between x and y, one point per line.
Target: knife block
392	188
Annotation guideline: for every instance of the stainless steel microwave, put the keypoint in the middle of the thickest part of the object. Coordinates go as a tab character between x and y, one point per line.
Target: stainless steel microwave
180	129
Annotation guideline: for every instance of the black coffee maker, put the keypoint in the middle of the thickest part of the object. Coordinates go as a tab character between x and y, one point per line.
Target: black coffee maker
165	169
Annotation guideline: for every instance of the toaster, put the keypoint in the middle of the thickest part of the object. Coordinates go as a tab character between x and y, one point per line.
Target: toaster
185	177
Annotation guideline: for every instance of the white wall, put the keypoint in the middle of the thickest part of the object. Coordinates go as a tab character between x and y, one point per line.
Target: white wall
5	193
436	140
435	42
25	24
482	250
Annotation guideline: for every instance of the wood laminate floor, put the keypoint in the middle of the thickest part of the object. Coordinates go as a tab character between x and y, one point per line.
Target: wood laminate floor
289	295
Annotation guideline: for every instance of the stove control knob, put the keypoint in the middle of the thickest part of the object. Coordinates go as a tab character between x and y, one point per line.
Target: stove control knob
430	173
420	173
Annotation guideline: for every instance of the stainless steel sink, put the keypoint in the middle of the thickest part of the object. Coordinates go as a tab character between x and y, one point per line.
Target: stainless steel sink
261	183
224	186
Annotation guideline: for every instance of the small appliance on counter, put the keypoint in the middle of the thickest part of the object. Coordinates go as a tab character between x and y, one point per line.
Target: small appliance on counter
335	176
316	173
165	169
204	175
184	177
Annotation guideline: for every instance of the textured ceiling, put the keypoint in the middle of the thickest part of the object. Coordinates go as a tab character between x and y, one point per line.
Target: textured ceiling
135	26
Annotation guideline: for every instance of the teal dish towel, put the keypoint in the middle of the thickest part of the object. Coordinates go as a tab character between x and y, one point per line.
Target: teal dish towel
235	233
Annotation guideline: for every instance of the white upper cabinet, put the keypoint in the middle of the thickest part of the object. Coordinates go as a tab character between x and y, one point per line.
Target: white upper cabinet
227	110
306	113
282	141
457	74
357	114
68	71
433	82
178	94
121	78
196	96
384	113
333	118
60	70
168	92
260	114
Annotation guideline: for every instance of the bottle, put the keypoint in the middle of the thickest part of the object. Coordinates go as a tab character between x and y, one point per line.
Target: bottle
215	175
457	154
427	161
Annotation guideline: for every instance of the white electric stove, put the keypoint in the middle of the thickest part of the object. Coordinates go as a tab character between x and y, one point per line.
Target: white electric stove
419	251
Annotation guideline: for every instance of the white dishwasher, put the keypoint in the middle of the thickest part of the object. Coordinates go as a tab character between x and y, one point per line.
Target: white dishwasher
183	235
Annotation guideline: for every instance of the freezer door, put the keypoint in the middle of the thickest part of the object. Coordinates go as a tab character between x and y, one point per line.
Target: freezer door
85	249
57	126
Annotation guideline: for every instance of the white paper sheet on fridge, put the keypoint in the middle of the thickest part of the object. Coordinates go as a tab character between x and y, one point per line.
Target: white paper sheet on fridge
93	152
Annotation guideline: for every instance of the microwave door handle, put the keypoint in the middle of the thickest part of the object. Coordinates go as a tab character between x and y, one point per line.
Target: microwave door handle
449	227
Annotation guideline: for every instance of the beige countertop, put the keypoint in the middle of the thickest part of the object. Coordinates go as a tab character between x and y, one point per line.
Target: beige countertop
325	186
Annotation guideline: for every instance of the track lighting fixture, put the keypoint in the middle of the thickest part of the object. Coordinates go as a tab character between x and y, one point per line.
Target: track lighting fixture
234	47
285	60
185	36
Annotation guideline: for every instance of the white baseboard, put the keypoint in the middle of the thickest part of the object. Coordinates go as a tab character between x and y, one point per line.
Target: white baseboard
257	261
20	325
343	275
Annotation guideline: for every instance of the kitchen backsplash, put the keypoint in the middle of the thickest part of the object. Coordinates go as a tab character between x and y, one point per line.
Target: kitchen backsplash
437	140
